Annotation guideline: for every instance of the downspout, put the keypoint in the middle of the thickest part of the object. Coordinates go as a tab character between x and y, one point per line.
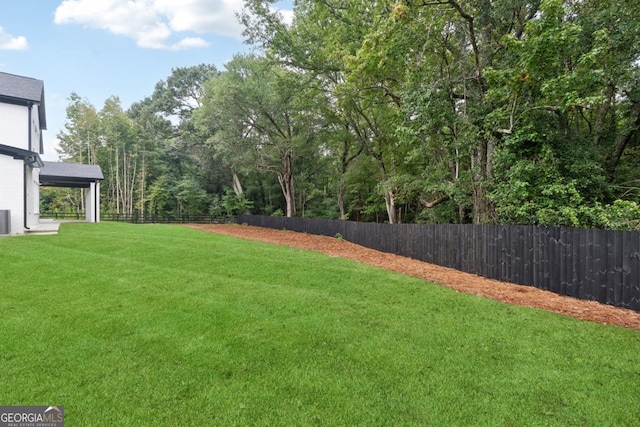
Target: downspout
24	193
96	208
24	173
29	126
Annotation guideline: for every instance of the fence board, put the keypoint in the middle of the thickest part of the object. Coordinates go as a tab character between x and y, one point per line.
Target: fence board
634	272
563	246
536	277
529	260
626	284
584	284
545	248
609	269
478	250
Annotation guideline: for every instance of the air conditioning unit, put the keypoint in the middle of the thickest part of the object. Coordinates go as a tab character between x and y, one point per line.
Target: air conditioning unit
5	221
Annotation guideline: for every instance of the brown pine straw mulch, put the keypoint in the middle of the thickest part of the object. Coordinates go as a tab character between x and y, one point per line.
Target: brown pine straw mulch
509	293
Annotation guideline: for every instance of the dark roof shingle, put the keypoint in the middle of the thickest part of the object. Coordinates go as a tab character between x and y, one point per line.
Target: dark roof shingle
25	89
70	170
20	87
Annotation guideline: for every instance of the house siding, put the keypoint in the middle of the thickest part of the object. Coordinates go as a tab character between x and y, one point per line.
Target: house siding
33	197
22	119
35	130
11	191
14	122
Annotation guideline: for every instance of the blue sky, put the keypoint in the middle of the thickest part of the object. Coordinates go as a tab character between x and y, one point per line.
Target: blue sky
103	48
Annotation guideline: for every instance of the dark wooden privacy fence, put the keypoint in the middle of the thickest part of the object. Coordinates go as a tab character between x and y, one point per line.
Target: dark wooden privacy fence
600	265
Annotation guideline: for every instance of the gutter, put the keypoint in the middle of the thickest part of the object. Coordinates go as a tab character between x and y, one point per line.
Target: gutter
29	127
24	194
27	161
96	197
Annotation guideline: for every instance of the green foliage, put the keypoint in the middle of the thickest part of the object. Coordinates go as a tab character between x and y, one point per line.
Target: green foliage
55	200
182	93
620	215
534	191
161	196
260	111
191	197
230	204
80	140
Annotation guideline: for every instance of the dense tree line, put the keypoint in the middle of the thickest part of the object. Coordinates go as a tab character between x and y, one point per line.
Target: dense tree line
450	111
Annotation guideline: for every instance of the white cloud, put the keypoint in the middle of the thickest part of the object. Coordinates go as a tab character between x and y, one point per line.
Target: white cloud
9	42
132	19
189	42
51	144
202	16
156	23
288	16
285	15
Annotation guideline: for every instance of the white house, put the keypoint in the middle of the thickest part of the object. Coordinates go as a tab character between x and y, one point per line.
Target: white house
22	120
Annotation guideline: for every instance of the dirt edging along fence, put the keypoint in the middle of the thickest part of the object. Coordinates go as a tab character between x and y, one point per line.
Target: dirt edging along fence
599	265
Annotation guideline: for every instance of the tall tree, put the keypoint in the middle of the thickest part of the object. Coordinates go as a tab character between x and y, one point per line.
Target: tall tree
187	157
152	132
123	156
182	92
259	106
322	39
80	139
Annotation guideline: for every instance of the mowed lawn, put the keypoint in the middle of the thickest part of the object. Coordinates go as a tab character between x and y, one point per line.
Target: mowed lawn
135	325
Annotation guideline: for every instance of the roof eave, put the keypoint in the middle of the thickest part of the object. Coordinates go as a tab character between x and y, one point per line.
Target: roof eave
31	158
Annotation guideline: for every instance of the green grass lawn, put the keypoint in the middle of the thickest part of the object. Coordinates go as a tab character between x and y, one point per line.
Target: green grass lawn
134	325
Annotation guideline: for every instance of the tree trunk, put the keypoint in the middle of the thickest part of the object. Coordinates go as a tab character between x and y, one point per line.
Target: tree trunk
341	193
117	187
235	183
286	184
482	171
391	206
143	179
622	141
